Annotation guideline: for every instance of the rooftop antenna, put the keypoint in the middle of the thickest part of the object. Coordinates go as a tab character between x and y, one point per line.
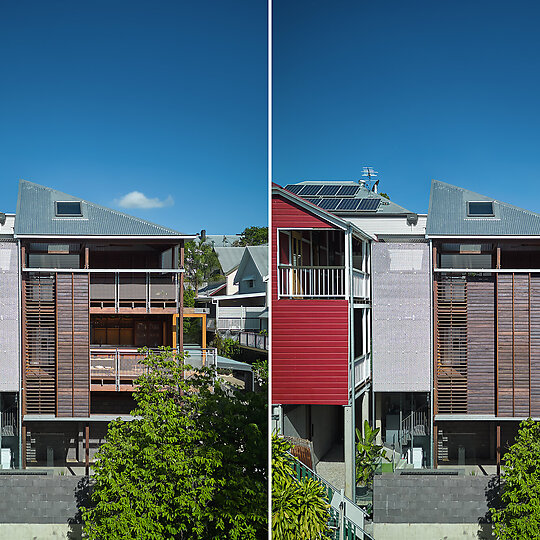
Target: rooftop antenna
369	173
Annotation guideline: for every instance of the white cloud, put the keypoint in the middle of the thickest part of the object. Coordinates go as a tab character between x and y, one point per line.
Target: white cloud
136	199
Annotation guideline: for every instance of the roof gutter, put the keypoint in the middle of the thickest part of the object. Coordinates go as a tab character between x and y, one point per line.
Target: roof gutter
110	237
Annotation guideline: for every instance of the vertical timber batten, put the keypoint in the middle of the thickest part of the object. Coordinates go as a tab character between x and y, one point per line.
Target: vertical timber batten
73	344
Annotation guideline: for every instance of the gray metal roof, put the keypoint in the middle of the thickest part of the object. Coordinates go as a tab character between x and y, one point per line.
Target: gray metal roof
385	208
259	254
229	257
36	215
447	215
227	363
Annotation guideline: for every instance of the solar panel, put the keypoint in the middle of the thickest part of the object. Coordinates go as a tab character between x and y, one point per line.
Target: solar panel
348	191
329	204
309	190
349	204
329	191
369	204
314	201
294	188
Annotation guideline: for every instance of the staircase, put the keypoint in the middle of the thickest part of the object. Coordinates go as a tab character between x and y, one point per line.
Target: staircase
414	425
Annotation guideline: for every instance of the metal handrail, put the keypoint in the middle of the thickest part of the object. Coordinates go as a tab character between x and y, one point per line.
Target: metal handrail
113	362
312	281
350	528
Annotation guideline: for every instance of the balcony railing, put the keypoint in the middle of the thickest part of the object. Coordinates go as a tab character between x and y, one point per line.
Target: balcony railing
115	367
360	284
144	290
320	282
239	318
251	340
311	281
362	369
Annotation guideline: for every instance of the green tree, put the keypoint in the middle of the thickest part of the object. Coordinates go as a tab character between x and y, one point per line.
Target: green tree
253	236
227	347
201	265
299	508
368	454
519	514
191	465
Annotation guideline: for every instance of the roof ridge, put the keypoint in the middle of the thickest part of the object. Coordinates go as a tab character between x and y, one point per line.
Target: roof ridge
117	212
489	197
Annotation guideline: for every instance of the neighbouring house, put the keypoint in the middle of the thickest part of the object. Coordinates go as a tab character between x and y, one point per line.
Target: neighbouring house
238	306
229	261
9	345
486	290
96	285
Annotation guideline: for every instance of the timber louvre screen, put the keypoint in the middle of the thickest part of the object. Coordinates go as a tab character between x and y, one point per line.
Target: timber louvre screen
40	344
451	309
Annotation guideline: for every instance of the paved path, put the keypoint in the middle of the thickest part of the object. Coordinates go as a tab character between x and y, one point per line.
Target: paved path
332	467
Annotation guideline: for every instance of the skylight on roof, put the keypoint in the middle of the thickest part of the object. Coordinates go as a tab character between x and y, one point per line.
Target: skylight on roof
68	208
480	208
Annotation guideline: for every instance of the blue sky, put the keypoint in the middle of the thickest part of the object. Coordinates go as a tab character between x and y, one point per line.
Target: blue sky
166	99
418	90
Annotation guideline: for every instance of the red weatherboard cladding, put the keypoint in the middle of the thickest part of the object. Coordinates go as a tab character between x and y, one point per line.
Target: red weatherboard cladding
309	337
310	351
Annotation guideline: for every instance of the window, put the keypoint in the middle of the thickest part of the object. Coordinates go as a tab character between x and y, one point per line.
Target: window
480	208
68	208
251	283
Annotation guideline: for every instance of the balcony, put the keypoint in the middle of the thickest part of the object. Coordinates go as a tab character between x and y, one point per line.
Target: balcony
116	368
134	292
320	282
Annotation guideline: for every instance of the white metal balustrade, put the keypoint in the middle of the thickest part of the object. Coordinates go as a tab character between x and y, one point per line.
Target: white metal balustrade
320	282
362	369
360	284
312	281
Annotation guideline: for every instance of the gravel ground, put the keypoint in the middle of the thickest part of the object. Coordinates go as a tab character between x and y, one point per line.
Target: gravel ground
332	467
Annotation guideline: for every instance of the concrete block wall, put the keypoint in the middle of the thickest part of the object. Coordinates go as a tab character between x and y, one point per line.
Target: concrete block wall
434	498
43	499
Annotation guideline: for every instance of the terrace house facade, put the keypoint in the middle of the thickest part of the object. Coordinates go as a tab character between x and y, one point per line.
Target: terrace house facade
321	297
95	286
486	306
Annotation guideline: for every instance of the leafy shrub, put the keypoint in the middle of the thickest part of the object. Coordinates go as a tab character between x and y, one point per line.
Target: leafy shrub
299	508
